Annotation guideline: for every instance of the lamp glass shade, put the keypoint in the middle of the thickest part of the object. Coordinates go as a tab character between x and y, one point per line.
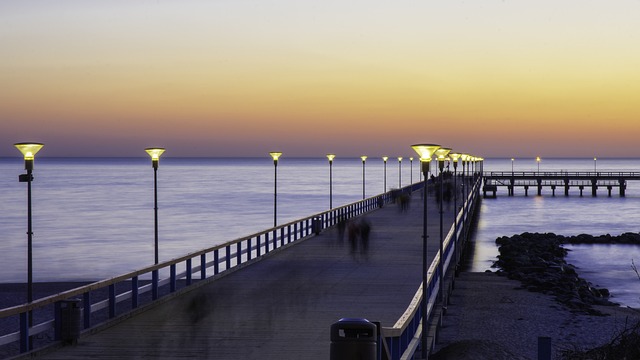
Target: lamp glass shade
441	153
411	158
29	149
385	158
425	150
331	157
455	156
154	152
275	155
363	157
538	158
399	158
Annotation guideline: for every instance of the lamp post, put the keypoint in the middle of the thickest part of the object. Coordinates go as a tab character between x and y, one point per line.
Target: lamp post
411	172
29	150
155	153
426	152
275	155
364	159
454	158
512	159
441	156
331	157
595	165
399	172
385	158
538	161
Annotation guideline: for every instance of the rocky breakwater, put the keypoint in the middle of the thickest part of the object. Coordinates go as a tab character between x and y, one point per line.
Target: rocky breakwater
538	261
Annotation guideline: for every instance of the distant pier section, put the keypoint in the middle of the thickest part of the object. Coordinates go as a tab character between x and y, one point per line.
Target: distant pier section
560	180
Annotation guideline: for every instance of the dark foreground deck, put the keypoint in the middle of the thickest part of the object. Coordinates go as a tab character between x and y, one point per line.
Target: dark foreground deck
282	307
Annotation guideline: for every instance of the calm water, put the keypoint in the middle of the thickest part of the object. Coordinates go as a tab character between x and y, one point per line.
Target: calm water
93	218
603	265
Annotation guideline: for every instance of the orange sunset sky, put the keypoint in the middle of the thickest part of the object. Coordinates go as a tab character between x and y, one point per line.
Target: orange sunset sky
241	78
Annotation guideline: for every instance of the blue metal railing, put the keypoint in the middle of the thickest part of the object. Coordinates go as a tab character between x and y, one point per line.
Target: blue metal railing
104	300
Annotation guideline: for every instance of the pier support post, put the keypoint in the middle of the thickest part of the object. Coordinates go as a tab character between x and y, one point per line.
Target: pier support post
594	187
609	187
539	187
623	187
526	190
566	187
553	190
581	187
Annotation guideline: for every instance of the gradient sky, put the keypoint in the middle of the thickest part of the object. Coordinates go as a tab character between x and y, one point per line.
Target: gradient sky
242	78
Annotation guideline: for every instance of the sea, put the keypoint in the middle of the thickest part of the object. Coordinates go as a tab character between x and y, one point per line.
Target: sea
93	218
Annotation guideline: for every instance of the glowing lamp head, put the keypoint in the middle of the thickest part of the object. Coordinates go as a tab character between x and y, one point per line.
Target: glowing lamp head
399	158
411	158
538	158
275	155
385	158
441	153
364	158
155	153
331	157
455	156
426	152
29	151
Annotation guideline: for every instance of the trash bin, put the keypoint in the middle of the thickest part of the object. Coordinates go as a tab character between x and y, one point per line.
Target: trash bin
70	320
316	225
353	339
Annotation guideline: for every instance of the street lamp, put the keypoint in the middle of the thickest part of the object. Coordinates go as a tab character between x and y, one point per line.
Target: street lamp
385	158
331	157
29	150
426	152
155	159
411	172
441	156
454	158
512	159
275	155
399	172
595	164
538	161
364	159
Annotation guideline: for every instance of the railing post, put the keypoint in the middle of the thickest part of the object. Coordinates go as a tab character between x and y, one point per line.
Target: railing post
266	243
227	257
24	332
134	292
239	253
154	284
258	250
172	280
203	266
188	265
86	313
281	236
112	301
288	234
216	261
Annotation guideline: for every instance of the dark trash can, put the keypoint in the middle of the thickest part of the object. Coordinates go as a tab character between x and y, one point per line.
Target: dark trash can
354	339
316	225
70	320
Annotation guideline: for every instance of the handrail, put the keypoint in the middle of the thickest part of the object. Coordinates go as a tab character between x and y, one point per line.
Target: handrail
226	256
591	174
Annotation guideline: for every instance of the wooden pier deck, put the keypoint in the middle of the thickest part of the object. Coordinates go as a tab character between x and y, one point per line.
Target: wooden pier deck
282	307
564	180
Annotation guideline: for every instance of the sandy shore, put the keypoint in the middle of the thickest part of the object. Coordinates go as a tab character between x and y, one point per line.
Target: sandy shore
491	317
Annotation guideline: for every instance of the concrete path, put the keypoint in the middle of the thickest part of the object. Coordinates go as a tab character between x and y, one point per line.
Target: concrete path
283	306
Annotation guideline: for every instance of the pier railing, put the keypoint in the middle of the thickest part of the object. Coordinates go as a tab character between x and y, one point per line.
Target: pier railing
102	302
402	339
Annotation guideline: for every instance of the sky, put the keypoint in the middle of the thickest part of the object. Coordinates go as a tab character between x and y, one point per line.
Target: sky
494	78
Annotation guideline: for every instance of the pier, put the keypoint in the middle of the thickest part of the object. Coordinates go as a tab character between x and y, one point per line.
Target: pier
561	180
270	295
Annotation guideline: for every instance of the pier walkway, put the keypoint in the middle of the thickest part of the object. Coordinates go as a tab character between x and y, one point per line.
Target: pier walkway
282	307
564	180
